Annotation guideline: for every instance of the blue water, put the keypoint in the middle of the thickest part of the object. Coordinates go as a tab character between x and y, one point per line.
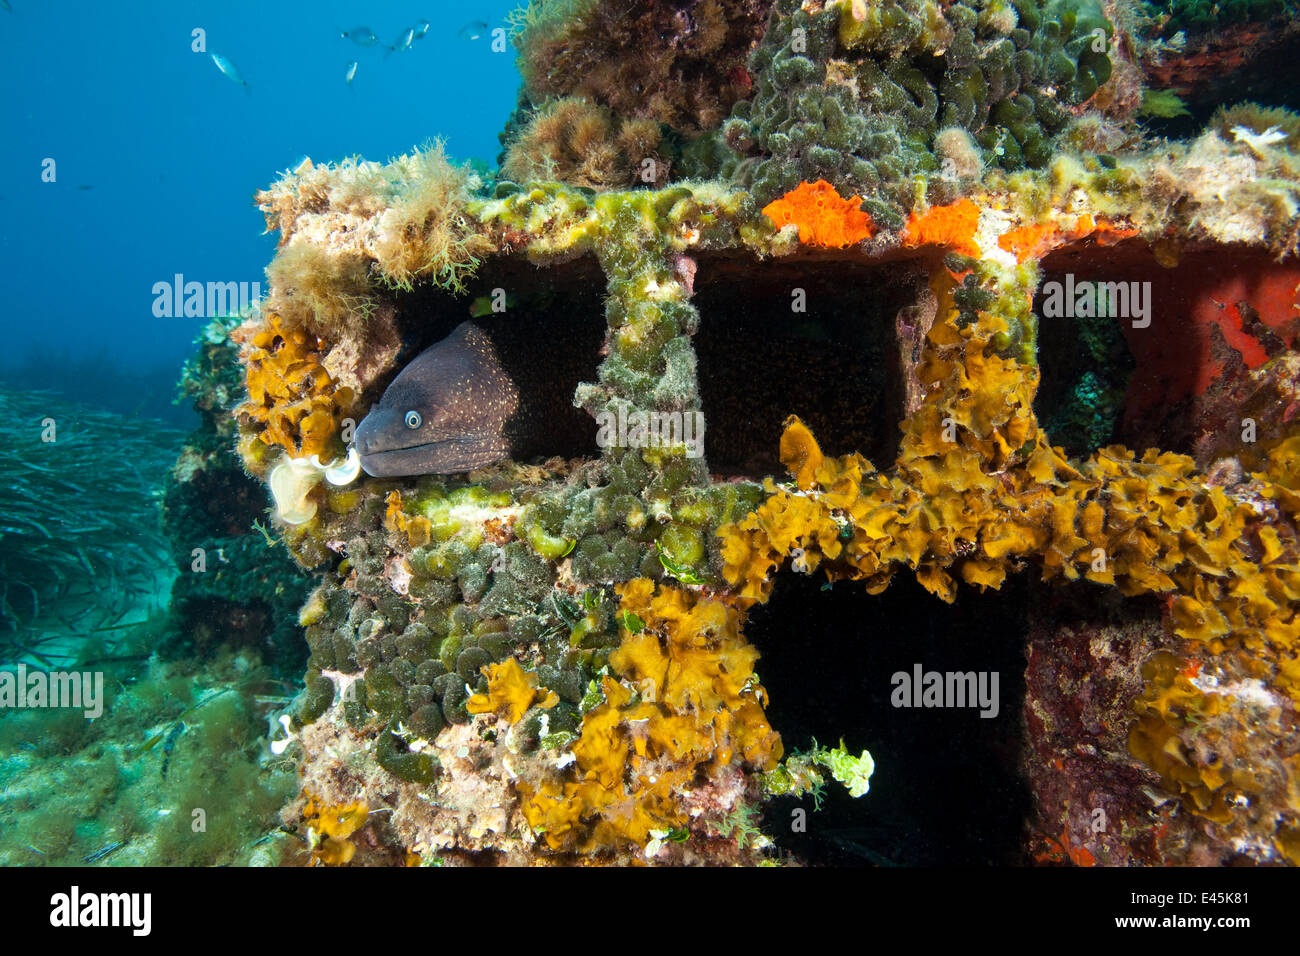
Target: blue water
157	155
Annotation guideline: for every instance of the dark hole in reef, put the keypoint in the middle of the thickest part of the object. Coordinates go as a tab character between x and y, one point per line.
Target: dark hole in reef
835	365
549	339
946	789
1214	312
1084	363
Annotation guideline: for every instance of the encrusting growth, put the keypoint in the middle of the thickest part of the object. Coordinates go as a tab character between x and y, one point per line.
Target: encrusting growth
545	657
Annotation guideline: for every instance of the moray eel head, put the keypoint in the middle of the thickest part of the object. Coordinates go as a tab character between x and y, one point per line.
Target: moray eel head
445	412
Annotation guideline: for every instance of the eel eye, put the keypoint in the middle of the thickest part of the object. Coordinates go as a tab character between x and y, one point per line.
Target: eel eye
412	419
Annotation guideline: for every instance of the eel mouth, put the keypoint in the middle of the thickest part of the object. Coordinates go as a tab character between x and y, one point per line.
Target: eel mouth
444	457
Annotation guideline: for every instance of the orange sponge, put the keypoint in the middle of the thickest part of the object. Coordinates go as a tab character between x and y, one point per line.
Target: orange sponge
824	217
952	226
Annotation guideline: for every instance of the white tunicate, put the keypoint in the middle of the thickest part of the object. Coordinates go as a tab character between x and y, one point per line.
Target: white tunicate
290	482
346	471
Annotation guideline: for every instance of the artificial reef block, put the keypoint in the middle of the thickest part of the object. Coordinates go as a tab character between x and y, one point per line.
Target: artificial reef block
593	598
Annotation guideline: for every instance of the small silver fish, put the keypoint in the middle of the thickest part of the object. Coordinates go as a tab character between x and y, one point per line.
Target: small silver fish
104	852
403	42
7	7
361	36
472	30
229	69
170	743
352	72
421	27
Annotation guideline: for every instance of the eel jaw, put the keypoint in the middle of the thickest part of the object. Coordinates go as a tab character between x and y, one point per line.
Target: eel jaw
445	457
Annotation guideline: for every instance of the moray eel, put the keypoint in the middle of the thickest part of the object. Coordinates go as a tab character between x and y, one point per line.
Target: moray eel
495	388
